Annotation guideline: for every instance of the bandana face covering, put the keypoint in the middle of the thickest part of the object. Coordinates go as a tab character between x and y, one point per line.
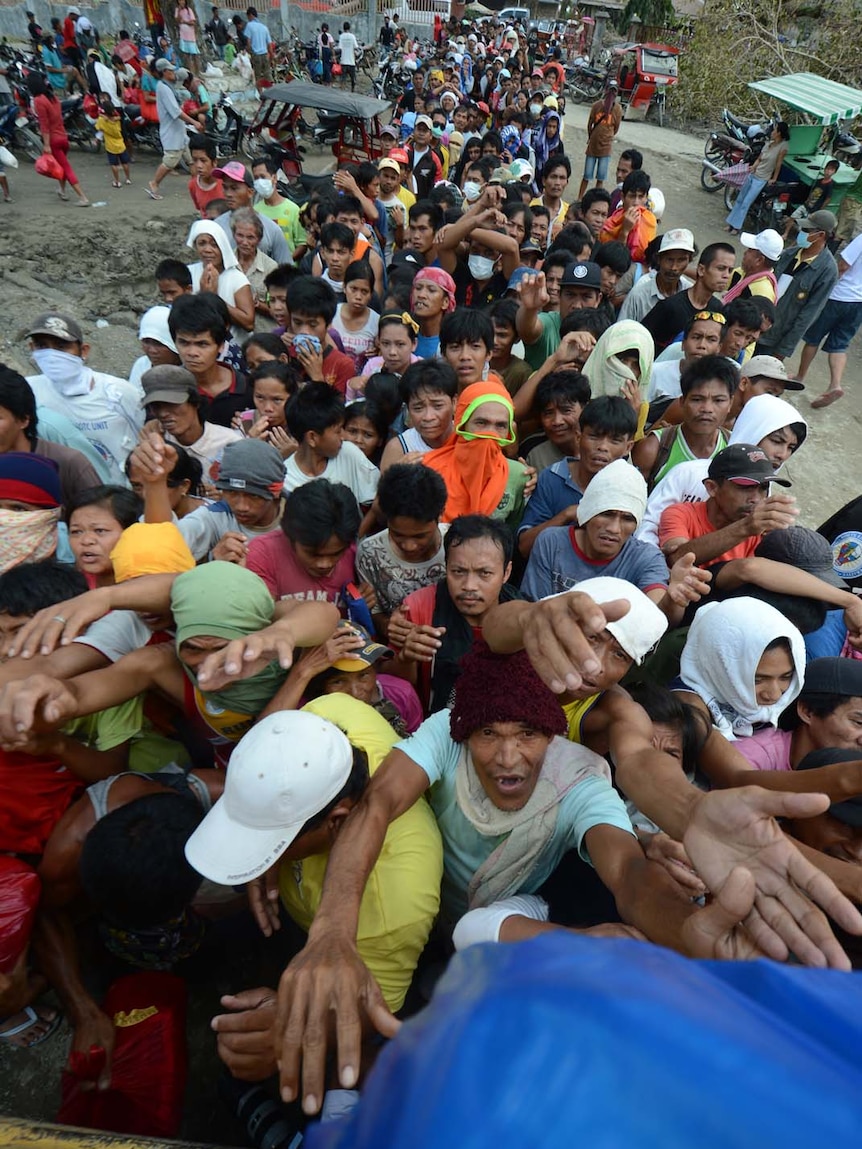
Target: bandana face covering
27	536
68	373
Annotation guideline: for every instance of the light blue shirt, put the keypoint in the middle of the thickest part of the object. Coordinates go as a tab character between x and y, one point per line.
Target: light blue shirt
258	36
592	802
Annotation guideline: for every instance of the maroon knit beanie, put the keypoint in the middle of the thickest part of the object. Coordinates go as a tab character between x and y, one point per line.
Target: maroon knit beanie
502	688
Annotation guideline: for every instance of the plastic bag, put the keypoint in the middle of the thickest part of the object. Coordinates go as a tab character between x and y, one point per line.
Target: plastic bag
46	165
19	897
7	160
148	1075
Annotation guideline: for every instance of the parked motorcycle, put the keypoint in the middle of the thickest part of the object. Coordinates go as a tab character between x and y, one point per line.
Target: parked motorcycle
16	132
585	83
739	143
772	207
327	128
227	127
392	81
80	128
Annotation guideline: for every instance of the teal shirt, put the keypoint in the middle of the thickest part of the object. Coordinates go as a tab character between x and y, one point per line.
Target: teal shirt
538	353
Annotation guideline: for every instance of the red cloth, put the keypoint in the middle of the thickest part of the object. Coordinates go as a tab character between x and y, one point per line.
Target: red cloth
34	795
19	898
50	115
272	558
640	236
148	1075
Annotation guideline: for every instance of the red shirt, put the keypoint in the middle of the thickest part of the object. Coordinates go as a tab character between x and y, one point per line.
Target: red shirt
273	558
201	197
50	115
691	521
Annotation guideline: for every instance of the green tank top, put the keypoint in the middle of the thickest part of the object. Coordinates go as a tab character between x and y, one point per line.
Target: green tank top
678	452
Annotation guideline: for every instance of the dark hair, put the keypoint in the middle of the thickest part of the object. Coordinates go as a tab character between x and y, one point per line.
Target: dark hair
820	705
125	505
539	209
31	587
269	162
267	342
314	408
513	210
594	195
394	319
504	312
175	271
766	307
133	866
443	195
596	320
806	614
557	160
698	318
284	373
283	276
357	779
318	510
16	395
201	143
745	312
834	164
348	204
467	527
204	313
713	250
39	86
429	208
428	375
466	323
310	296
494	138
376	415
668	709
359	269
332	234
560	257
565	386
366	173
783	129
634	157
614	255
411	492
636	181
610	414
383	391
710	367
574	237
187	467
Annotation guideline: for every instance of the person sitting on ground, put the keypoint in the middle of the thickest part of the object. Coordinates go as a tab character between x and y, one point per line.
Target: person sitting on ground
314	416
608	515
478	476
408	554
171	398
608	426
738	511
434	626
250	479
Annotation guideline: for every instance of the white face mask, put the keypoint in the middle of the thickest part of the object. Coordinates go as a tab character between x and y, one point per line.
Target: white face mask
69	373
472	191
536	109
264	188
480	266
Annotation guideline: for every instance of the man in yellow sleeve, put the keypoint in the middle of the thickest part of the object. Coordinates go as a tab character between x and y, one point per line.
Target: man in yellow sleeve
291	782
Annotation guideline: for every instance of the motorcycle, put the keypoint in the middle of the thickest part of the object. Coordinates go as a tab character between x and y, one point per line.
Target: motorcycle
740	143
772	207
80	128
16	132
228	127
585	83
327	128
392	81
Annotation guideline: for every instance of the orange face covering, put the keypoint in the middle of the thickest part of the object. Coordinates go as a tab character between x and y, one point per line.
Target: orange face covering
474	469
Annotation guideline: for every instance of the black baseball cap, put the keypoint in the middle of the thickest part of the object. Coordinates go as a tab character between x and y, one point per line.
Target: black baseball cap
744	463
586	274
850	811
841	676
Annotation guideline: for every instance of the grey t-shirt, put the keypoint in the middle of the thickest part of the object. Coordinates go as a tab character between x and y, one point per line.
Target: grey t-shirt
558	564
393	578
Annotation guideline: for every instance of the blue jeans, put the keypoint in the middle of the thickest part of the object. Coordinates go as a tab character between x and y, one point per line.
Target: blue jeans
748	193
596	166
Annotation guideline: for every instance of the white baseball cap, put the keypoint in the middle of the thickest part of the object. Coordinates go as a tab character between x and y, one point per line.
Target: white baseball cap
677	239
768	242
638	631
287	768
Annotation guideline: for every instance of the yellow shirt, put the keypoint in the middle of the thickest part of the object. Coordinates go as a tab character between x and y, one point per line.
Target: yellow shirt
407	197
561	214
402	896
575	713
111	128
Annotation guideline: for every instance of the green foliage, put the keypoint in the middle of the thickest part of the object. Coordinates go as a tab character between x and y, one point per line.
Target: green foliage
652	13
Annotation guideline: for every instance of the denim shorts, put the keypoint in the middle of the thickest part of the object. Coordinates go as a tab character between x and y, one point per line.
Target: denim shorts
840	319
596	167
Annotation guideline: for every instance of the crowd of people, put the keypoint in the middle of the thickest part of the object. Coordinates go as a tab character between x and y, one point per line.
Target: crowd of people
434	577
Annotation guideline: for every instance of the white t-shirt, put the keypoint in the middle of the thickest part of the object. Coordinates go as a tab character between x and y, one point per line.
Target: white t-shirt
664	381
349	466
348	44
682	484
360	344
848	289
209	448
109	416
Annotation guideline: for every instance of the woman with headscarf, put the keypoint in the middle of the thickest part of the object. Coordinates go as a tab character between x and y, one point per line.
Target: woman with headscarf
547	140
218	271
621	363
479	479
606	115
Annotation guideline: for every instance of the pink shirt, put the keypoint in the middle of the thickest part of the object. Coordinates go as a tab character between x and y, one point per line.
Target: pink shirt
273	558
767	749
404	698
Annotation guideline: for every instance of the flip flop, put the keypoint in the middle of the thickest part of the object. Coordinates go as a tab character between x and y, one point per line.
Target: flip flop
152	194
33	1018
827	398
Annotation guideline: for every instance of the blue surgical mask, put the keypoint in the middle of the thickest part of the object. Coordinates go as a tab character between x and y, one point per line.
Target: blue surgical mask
804	239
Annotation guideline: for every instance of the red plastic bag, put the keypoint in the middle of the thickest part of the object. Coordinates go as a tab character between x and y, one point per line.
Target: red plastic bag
46	165
336	69
148	1076
19	897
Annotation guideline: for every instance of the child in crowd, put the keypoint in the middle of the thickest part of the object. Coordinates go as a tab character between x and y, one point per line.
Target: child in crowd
355	321
204	187
428	392
336	248
366	425
173	279
110	124
272	384
310	308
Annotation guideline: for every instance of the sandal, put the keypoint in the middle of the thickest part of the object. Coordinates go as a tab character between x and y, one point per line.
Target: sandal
152	194
32	1019
63	195
115	185
827	398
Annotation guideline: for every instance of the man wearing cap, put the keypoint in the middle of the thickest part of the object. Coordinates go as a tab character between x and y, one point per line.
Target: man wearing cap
425	164
238	187
755	275
580	287
837	323
762	375
602	541
674	255
171	396
172	132
104	408
806	275
737	512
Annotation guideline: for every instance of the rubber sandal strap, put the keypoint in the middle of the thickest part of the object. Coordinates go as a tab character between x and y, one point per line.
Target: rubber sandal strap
32	1018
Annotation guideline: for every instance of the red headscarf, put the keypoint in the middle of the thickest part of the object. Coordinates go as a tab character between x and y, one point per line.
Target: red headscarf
474	469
